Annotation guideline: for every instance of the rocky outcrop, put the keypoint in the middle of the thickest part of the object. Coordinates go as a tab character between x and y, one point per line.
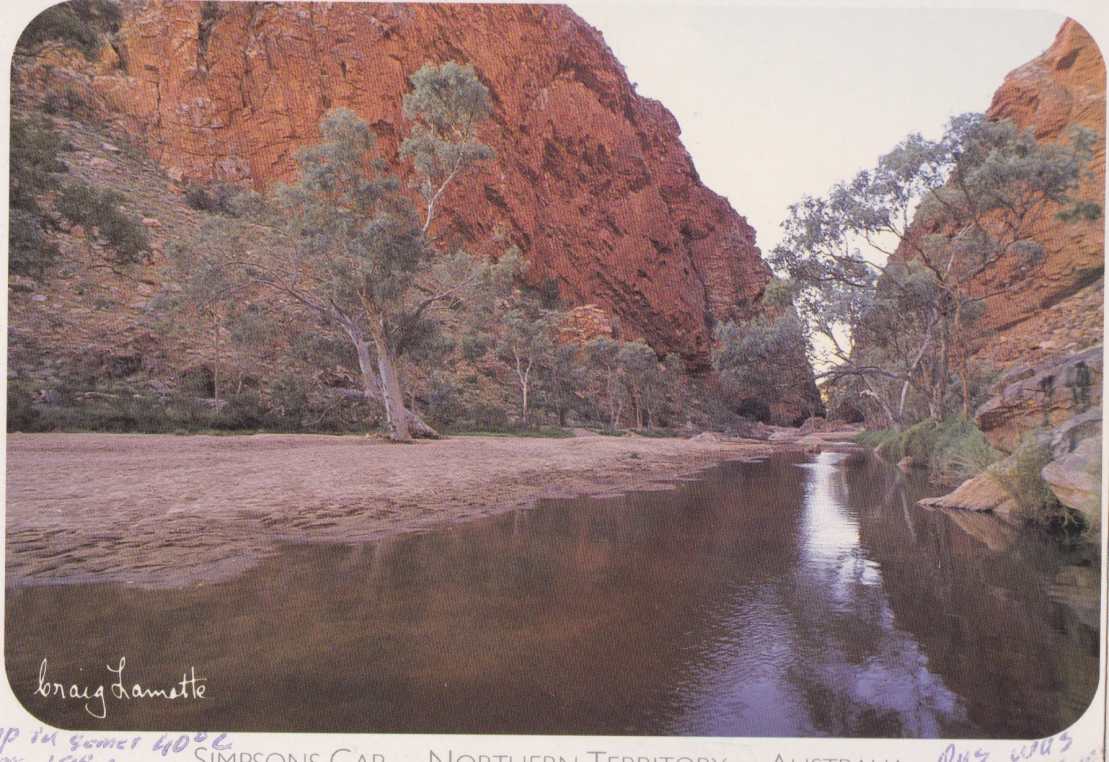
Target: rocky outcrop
1075	479
982	494
591	180
585	323
1057	91
1073	474
1032	397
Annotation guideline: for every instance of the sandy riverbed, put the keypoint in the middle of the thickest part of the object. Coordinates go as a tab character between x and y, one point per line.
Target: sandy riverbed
158	510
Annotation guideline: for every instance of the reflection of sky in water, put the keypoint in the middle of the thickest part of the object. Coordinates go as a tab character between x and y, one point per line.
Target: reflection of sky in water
760	599
826	631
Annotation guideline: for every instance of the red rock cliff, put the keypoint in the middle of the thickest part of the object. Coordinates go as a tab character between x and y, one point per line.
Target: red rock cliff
1060	307
591	180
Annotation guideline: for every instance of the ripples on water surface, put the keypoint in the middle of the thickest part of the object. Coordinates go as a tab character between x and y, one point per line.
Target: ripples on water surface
788	597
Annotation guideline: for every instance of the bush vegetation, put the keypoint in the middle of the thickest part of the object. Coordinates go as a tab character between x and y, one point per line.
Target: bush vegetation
80	24
1021	476
99	210
216	199
69	101
122	410
35	166
952	450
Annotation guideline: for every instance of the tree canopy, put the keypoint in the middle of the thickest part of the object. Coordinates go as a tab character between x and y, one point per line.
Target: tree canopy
888	264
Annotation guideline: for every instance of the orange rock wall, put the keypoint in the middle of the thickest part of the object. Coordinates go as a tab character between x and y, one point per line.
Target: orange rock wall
1063	88
590	180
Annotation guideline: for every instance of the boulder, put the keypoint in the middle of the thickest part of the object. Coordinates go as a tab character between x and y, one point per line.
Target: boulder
1031	397
1065	437
980	494
1075	479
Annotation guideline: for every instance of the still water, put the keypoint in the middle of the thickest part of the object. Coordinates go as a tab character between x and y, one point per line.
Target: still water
795	596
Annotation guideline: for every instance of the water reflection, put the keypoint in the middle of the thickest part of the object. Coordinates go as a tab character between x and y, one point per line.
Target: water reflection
786	597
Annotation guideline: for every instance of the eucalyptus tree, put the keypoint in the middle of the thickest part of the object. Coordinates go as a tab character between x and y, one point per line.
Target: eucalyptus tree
527	344
447	103
896	254
563	381
606	370
677	388
644	379
350	247
759	359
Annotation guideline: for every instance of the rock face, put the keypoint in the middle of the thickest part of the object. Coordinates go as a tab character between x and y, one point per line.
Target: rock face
1052	393
1047	327
1061	89
590	180
1037	314
1075	479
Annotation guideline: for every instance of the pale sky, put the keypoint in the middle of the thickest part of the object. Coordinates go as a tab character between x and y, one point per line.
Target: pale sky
778	102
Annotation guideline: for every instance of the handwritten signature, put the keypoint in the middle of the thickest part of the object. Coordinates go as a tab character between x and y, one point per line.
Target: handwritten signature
190	687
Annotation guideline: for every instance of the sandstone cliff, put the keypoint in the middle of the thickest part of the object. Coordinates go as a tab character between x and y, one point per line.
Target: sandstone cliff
591	180
1059	309
1048	327
1045	322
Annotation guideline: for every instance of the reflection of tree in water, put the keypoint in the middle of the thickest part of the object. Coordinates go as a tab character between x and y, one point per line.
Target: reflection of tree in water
862	676
1021	664
762	599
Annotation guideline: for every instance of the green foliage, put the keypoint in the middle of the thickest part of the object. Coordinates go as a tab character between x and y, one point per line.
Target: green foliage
35	161
564	382
603	355
445	404
952	450
886	442
779	293
21	412
76	23
484	416
345	245
758	361
99	210
645	380
538	432
29	251
893	327
34	167
69	101
1021	476
290	406
475	345
447	104
1081	210
217	199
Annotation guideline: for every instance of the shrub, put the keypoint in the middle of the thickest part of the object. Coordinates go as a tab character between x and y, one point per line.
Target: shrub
29	251
1020	475
474	346
952	450
78	23
34	169
100	210
487	417
217	199
22	415
67	102
444	401
242	411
